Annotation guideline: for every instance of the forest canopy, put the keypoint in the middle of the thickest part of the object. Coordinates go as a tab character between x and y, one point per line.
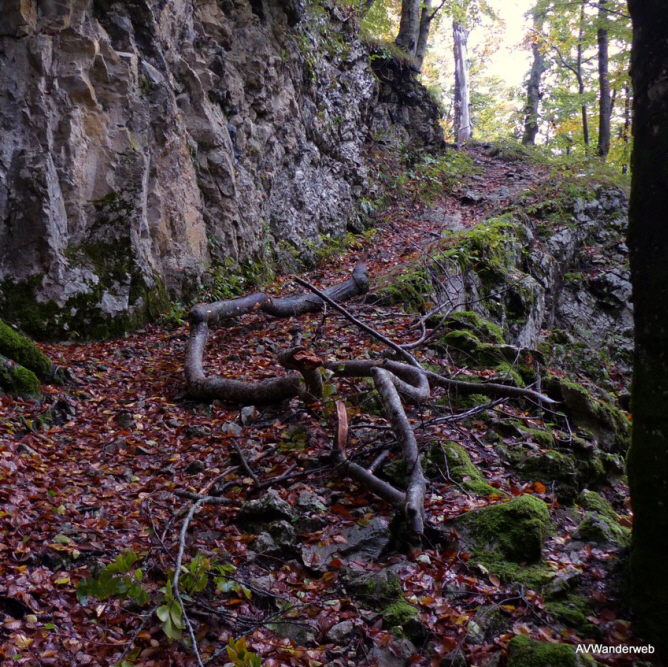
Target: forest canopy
576	94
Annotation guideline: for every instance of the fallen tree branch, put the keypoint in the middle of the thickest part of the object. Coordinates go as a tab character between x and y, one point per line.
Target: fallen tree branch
363	368
416	487
273	390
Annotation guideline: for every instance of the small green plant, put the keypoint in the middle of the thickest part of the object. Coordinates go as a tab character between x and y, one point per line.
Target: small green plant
121	580
171	614
177	314
115	580
238	653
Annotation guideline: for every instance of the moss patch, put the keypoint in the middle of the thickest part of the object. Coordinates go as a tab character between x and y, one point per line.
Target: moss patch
17	380
23	351
461	468
482	328
526	652
609	424
552	467
513	531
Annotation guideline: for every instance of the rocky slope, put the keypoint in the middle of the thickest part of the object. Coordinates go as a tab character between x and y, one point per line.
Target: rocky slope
527	519
143	140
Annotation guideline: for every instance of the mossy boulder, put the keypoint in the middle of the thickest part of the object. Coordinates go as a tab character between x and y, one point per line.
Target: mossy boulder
483	329
466	348
601	523
17	380
23	351
610	426
512	531
542	438
526	652
411	290
552	468
572	611
462	469
382	591
403	619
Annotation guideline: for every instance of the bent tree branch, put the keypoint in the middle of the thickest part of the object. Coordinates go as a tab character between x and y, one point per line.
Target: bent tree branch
395	381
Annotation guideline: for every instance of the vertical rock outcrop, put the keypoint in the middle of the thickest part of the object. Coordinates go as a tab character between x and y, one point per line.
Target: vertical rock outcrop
142	138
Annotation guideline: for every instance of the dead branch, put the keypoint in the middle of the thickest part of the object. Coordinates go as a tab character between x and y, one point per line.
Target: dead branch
363	368
416	487
372	332
273	390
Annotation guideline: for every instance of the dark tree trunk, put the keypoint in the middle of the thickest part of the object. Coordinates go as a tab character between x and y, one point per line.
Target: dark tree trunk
605	103
648	243
409	26
581	86
533	85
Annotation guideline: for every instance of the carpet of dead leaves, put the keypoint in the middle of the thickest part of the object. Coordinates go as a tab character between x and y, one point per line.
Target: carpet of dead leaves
97	478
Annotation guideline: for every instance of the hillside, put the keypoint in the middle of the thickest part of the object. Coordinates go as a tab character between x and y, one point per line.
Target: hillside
508	271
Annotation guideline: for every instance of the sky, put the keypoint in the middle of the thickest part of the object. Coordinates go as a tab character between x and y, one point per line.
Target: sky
510	63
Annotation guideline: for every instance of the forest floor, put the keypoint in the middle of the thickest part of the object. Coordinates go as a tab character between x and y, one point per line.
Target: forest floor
90	473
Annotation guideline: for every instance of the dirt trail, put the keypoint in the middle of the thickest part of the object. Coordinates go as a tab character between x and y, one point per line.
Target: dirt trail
95	476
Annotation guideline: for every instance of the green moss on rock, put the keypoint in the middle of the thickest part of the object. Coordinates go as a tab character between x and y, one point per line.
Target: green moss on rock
526	652
403	619
572	611
600	529
17	380
411	290
609	424
482	328
513	531
23	351
552	467
461	468
81	317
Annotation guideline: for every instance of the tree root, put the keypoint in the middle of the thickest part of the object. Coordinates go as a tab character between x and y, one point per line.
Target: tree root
392	379
201	386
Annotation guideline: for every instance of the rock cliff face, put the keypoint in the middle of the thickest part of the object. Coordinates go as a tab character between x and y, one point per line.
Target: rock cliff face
141	139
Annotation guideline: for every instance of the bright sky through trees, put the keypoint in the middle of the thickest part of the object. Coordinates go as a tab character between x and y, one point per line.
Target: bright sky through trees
510	63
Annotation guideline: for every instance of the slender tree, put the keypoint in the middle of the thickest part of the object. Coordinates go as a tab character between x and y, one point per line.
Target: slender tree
538	66
605	102
579	74
463	129
648	243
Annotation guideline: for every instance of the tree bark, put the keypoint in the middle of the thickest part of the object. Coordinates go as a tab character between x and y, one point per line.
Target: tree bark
423	33
273	390
581	85
409	26
605	102
648	243
533	84
626	128
463	129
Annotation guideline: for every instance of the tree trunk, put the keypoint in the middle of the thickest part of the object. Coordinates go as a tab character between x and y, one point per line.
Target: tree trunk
409	26
648	242
463	128
626	128
581	86
605	103
423	35
533	86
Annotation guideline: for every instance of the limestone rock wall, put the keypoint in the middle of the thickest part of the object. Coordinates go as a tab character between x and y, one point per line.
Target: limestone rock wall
141	138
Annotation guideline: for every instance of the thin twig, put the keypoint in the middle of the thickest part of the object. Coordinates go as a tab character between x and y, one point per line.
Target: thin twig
177	574
244	463
372	332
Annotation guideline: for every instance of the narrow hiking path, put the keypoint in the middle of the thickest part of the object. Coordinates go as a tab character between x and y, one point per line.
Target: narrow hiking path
92	474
